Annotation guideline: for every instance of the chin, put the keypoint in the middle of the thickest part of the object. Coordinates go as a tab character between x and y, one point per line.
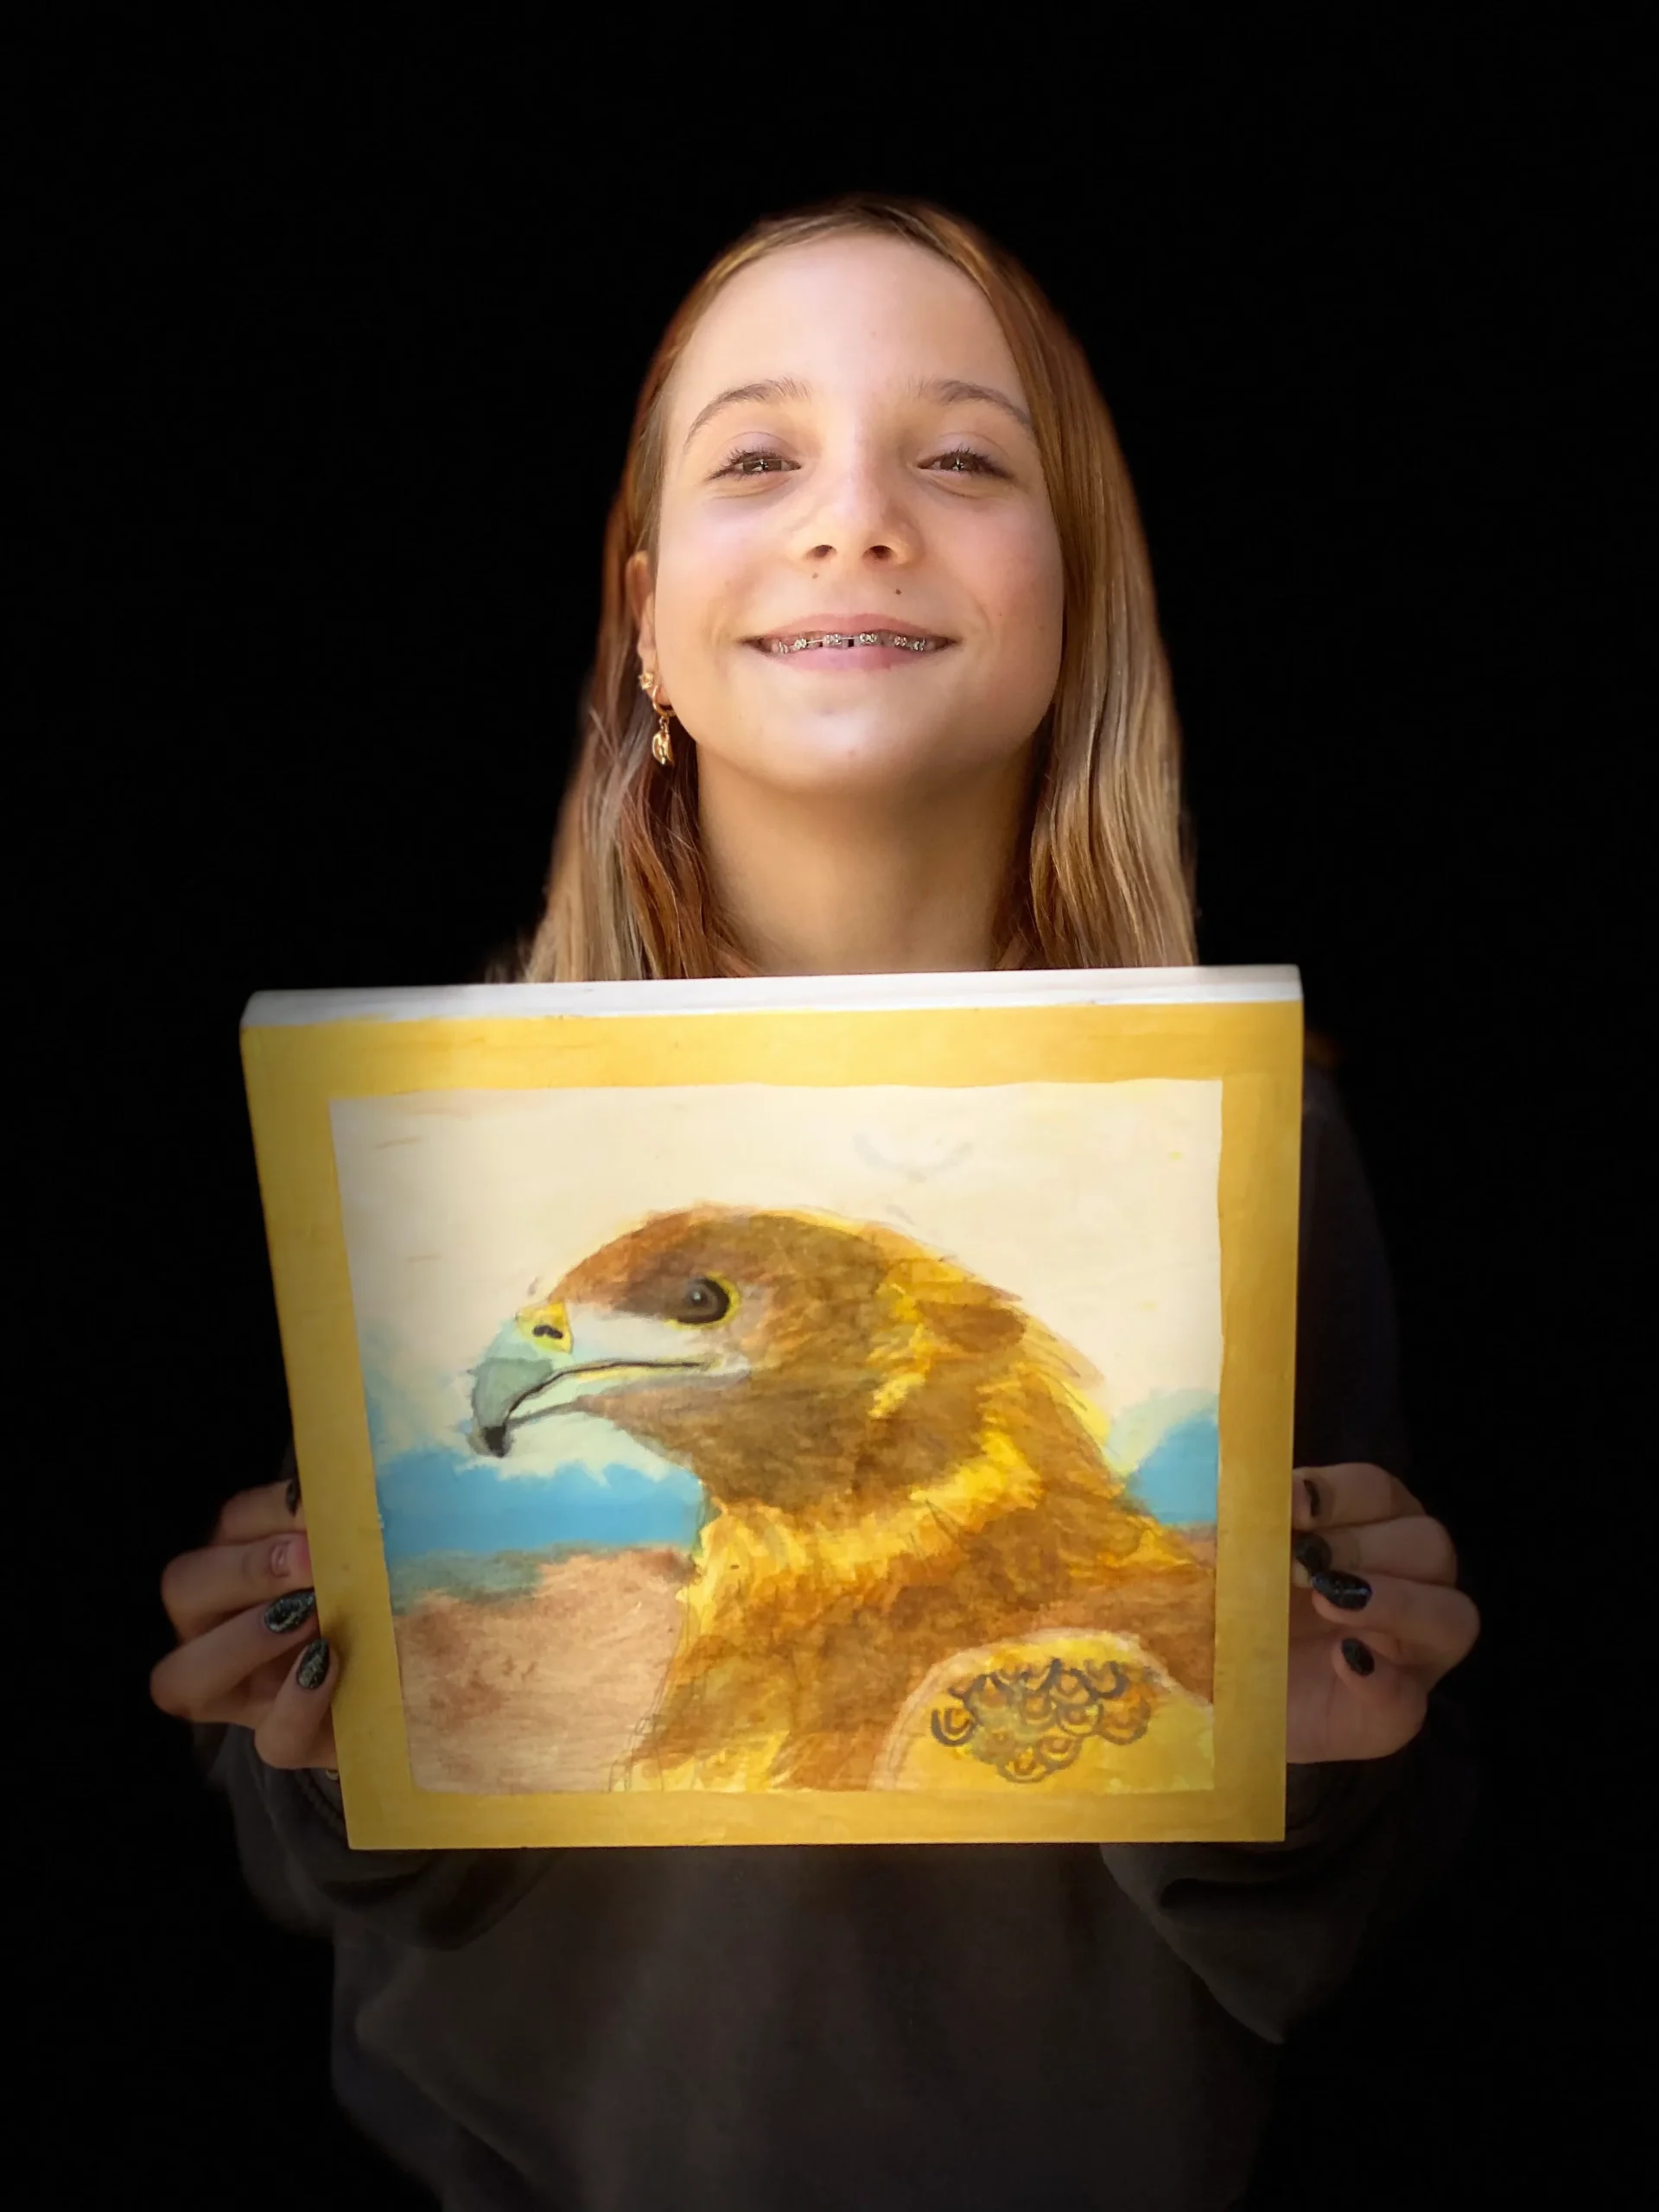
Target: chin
842	755
876	771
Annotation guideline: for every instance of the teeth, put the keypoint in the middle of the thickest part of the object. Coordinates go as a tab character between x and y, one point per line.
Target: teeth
812	643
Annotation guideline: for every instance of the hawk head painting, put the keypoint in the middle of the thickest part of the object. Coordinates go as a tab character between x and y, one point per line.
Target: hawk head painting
906	1478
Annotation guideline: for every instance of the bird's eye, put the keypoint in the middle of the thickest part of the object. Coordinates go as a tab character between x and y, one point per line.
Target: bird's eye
703	1300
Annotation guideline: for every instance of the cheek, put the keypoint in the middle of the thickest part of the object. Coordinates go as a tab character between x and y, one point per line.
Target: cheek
1020	581
705	579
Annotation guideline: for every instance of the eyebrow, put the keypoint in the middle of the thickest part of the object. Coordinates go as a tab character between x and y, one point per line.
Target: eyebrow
948	390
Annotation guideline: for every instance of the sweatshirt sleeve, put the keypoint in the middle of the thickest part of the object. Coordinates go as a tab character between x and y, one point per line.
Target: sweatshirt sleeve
302	1873
290	1837
1275	1929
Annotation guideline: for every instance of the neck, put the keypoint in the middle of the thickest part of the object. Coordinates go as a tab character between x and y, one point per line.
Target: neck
817	887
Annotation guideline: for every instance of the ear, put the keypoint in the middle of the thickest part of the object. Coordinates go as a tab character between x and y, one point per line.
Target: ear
642	605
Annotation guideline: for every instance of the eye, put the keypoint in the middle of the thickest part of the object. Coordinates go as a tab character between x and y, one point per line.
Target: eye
737	463
964	460
703	1300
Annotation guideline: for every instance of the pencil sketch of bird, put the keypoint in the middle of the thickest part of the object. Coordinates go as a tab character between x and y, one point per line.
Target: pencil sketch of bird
901	1465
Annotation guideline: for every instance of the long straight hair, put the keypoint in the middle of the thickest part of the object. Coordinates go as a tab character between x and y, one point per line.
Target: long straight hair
1102	875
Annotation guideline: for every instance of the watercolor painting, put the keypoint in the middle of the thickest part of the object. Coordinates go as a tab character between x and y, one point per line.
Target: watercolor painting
750	1437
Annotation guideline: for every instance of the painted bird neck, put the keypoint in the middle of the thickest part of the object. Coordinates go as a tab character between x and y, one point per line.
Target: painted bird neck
759	1569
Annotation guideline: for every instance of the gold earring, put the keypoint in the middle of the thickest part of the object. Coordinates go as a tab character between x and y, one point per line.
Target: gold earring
662	748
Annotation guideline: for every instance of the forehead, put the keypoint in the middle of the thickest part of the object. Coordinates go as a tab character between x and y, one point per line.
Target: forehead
850	316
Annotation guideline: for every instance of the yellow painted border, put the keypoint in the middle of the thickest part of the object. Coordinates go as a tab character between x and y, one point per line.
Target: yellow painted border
1254	1048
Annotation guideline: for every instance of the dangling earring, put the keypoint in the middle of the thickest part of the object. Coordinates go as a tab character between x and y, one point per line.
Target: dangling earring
662	749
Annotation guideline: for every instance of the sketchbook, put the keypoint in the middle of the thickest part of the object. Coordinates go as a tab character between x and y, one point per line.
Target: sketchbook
809	1409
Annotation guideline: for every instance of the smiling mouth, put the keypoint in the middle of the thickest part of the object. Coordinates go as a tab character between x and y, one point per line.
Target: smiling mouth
842	640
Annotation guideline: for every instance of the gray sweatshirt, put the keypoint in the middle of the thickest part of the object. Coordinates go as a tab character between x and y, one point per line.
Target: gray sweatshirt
989	2028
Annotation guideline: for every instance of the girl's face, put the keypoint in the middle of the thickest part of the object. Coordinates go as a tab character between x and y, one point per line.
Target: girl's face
848	451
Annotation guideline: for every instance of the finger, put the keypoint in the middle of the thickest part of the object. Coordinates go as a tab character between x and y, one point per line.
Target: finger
219	1676
1432	1627
297	1729
1416	1546
201	1589
1309	1625
1388	1701
1336	1497
264	1511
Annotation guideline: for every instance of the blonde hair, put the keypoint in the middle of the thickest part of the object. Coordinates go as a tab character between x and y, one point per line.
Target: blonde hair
1107	880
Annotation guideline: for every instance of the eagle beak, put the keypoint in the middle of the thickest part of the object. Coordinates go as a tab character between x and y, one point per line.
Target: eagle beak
537	1366
530	1353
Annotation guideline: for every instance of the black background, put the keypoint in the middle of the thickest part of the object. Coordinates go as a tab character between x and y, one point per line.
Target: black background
351	340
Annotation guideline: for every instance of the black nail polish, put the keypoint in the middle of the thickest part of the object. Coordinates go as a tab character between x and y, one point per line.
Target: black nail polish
1358	1655
315	1665
1311	1489
1313	1553
1351	1591
288	1610
292	1494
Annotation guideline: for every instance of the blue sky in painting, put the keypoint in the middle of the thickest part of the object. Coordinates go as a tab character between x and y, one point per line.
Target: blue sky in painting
1179	1479
439	1498
435	1501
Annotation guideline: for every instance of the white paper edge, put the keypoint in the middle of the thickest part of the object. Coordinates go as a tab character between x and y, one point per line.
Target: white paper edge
793	994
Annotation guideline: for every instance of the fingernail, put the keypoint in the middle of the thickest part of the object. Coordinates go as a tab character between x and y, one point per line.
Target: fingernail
292	1494
289	1609
1351	1591
1313	1496
315	1665
1313	1553
1358	1655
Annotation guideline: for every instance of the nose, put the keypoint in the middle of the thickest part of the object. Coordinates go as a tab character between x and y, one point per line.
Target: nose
861	515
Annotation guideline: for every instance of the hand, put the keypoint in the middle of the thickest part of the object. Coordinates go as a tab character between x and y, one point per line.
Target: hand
233	1663
1415	1624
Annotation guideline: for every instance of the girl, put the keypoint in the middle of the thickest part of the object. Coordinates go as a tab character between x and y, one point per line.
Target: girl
866	424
